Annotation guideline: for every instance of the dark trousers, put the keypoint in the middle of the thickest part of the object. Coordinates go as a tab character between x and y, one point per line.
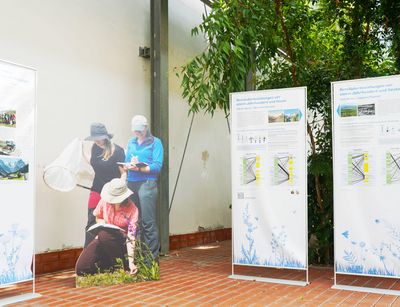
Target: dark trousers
145	198
91	221
101	253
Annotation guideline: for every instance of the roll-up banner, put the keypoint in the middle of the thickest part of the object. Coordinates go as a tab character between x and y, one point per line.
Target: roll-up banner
17	172
366	156
269	178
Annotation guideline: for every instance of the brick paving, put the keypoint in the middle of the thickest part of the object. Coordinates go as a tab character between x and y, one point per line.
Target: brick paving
199	277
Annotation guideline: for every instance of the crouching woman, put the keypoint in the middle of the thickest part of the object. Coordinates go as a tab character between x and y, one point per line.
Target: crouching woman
111	243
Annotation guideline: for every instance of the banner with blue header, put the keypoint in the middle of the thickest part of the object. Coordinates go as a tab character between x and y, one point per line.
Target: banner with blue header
366	156
269	178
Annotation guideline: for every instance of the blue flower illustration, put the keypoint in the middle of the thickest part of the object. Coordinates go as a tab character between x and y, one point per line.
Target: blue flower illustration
386	253
249	252
12	242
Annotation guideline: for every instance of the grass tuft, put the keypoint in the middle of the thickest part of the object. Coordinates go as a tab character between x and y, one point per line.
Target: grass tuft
148	269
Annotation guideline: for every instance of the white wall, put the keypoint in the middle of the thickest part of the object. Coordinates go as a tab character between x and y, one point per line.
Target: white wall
203	193
86	55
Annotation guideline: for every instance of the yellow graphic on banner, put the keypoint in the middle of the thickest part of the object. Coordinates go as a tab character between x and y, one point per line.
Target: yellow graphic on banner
284	172
290	170
258	171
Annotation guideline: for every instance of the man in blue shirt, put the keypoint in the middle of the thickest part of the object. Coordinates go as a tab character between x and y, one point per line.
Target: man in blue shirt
144	156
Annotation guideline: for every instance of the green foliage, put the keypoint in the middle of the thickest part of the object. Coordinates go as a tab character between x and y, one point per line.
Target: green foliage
106	278
295	43
148	269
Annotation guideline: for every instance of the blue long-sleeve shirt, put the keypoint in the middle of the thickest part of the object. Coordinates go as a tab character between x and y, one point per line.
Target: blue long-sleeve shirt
151	152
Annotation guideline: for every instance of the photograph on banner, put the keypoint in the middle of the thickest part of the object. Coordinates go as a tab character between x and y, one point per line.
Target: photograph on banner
366	127
9	146
8	118
17	99
13	168
286	116
269	178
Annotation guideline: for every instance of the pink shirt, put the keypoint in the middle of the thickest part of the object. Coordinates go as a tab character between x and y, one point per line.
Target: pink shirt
126	217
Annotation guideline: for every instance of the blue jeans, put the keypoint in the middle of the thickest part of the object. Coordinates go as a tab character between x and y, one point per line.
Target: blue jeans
145	198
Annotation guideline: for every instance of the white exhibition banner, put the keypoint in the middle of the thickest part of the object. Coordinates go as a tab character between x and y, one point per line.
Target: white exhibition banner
17	172
366	156
269	178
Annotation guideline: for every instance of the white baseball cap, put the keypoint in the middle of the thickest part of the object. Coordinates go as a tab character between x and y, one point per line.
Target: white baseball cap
139	123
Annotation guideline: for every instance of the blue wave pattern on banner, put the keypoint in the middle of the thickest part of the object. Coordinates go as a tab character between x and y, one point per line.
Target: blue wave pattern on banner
248	252
386	252
11	243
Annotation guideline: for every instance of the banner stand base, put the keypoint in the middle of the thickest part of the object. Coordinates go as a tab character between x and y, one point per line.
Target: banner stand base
270	280
19	298
368	290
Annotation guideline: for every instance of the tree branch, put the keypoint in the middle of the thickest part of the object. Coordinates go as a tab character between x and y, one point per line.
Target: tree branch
290	53
316	177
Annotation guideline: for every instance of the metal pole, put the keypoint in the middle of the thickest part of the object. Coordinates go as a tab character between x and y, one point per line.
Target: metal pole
159	108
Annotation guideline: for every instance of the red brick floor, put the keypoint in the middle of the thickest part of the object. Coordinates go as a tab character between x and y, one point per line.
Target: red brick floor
199	276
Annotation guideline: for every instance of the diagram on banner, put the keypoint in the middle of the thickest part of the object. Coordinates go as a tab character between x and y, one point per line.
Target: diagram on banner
250	169
358	168
393	167
283	170
251	138
389	130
